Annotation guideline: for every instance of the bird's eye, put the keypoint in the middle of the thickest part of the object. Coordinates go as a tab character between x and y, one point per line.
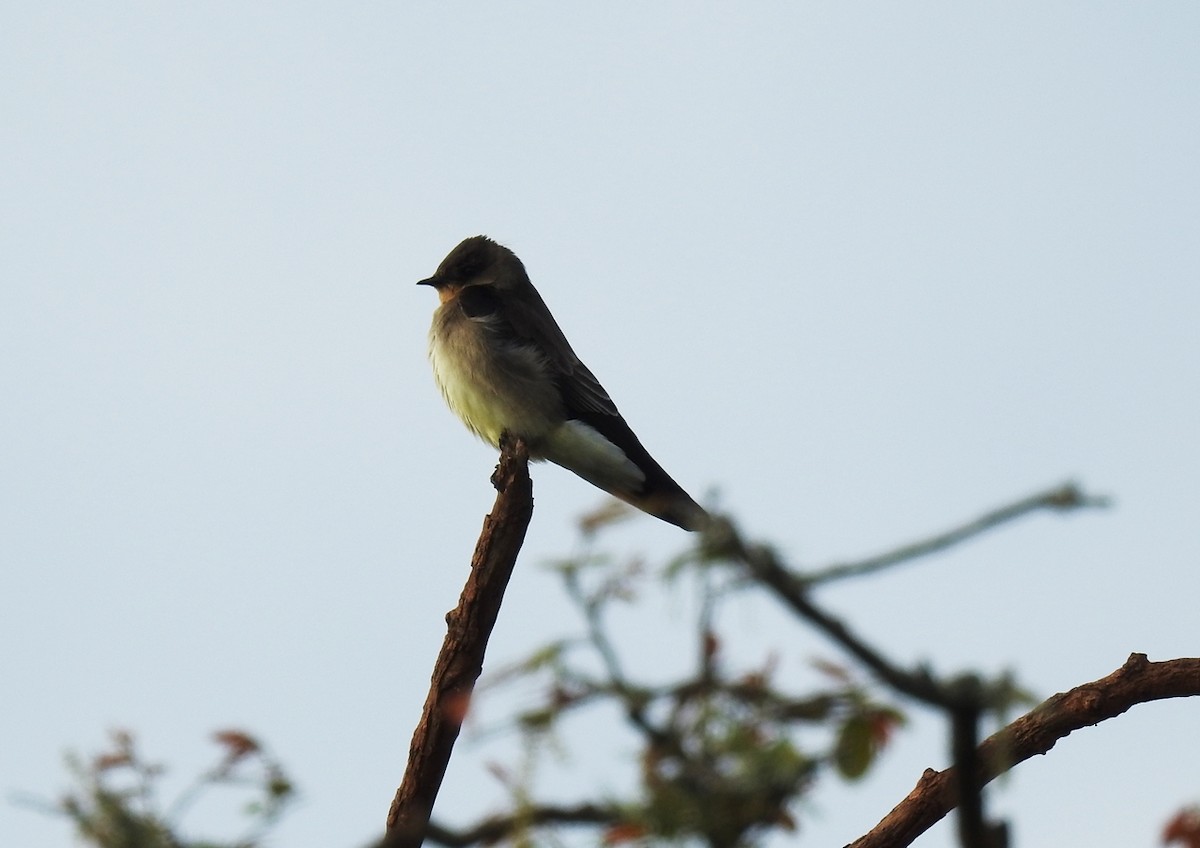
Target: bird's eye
478	301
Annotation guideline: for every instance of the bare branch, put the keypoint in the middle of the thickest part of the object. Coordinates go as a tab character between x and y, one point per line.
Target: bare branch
762	564
496	828
1138	681
1062	498
963	699
460	661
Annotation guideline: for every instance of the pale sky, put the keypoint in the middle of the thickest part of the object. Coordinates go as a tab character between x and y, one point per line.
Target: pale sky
867	269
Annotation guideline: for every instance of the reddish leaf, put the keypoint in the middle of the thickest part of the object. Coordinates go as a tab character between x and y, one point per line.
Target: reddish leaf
1184	828
104	762
784	819
623	832
883	724
238	744
711	644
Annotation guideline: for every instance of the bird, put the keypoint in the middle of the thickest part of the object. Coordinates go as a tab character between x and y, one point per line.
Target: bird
503	365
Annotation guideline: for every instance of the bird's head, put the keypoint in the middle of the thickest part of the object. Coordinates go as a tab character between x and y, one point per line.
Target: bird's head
477	261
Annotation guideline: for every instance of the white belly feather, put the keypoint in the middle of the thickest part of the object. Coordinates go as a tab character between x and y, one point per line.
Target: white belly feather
492	389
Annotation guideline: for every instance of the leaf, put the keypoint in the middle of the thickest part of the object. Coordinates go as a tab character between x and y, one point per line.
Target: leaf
237	743
833	670
1184	828
855	748
624	832
883	723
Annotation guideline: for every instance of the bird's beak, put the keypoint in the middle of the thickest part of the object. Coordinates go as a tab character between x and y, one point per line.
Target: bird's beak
431	281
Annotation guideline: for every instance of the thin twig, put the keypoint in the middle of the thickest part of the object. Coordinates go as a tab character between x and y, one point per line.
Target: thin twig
635	710
1062	498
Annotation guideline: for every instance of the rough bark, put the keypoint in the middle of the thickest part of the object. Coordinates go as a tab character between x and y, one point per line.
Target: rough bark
1036	732
460	661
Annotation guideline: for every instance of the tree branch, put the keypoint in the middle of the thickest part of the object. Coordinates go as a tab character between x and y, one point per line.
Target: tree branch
722	539
763	565
496	828
963	699
1138	681
460	661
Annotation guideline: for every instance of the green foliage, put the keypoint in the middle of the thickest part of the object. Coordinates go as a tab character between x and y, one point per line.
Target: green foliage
115	804
861	737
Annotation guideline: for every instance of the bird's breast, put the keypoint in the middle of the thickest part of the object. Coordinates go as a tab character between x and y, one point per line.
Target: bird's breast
491	384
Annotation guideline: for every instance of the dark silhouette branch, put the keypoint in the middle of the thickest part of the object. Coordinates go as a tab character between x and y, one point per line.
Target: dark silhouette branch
497	828
460	661
1062	498
1138	681
763	565
974	828
964	736
794	589
964	699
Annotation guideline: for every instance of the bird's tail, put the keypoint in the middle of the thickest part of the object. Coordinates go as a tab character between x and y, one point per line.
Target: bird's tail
671	504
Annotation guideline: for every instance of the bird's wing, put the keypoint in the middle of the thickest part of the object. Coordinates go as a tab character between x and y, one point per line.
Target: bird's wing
526	321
